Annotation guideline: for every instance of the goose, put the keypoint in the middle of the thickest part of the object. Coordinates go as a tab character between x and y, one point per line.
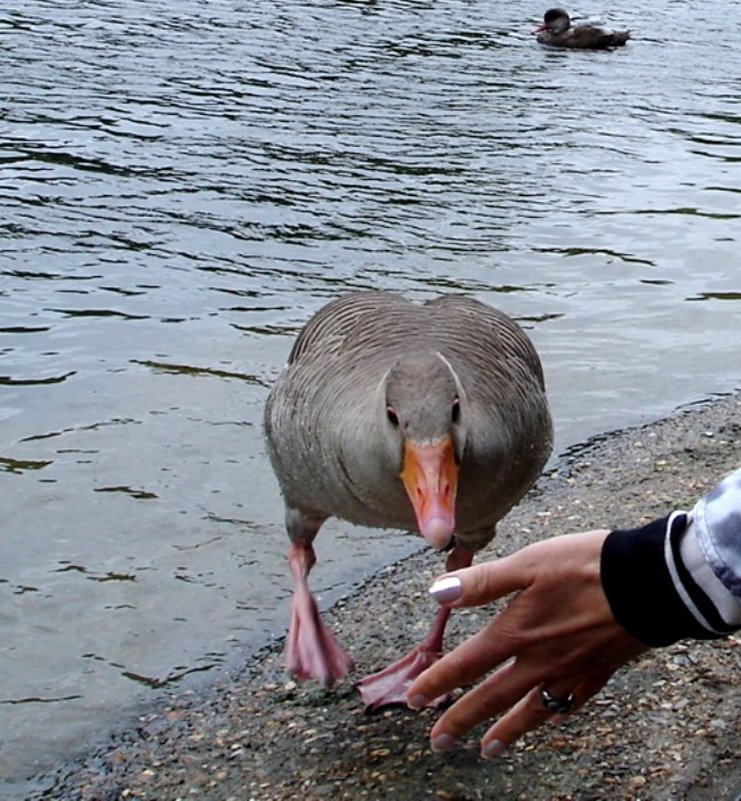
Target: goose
428	417
556	31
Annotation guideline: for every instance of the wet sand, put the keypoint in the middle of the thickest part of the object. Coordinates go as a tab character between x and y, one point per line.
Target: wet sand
666	727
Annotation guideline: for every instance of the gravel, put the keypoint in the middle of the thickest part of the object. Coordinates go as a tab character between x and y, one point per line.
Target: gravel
666	727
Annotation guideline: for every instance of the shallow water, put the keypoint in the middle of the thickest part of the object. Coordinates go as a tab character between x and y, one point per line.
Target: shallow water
184	183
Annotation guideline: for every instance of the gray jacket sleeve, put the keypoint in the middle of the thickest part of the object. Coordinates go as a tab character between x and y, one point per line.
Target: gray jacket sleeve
716	526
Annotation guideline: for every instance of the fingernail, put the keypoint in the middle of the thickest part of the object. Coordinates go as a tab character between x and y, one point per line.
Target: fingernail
446	589
493	749
443	742
417	702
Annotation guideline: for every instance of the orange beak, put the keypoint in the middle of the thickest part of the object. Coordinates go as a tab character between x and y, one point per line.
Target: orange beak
430	477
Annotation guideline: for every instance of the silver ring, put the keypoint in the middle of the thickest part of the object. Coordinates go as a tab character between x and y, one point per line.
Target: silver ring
559	706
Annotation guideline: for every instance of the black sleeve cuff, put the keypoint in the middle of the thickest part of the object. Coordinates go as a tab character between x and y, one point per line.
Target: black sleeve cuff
639	586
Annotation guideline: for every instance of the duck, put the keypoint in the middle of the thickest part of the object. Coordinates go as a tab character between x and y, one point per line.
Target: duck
556	31
430	417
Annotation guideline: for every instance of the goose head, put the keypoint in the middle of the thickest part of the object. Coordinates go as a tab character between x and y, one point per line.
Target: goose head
423	411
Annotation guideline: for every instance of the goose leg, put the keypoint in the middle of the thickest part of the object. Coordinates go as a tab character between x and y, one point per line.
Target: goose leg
311	649
389	686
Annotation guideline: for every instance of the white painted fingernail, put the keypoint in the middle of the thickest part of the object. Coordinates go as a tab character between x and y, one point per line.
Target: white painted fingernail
418	702
493	749
446	589
442	743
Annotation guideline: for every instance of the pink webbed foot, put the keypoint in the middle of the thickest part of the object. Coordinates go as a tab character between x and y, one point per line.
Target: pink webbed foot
389	686
312	652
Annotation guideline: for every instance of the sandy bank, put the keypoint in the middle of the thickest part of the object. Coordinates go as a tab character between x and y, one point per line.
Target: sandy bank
668	727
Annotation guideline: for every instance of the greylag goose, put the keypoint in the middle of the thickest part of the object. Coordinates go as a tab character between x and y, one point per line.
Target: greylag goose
425	417
556	31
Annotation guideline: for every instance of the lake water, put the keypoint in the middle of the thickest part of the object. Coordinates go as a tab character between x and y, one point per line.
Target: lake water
183	183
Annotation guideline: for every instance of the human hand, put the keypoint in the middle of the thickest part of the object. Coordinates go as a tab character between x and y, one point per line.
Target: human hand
557	633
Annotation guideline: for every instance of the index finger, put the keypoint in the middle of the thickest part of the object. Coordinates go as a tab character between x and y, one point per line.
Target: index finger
480	584
470	660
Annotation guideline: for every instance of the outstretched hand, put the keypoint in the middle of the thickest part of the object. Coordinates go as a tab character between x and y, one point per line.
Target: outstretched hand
557	634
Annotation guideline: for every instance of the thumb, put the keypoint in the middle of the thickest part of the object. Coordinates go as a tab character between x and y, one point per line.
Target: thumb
480	584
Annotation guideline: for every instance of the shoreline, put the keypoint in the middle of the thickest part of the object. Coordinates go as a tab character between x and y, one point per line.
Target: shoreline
665	728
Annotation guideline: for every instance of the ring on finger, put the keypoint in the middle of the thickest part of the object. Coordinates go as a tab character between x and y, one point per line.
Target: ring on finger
559	706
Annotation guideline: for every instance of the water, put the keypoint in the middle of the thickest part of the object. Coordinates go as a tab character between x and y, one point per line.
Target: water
182	184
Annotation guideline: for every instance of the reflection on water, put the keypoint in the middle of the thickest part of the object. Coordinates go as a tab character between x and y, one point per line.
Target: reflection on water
184	184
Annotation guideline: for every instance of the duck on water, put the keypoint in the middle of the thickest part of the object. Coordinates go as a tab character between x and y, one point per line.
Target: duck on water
556	30
430	418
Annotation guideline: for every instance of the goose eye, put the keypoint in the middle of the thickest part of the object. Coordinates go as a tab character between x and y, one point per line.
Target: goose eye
455	413
393	418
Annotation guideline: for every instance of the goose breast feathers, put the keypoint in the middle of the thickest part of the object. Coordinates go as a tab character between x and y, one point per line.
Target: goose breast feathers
454	365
